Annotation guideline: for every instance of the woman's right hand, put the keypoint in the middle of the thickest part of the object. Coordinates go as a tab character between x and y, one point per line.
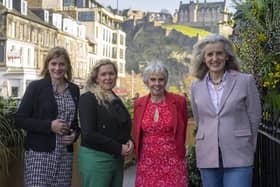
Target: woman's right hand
60	127
125	150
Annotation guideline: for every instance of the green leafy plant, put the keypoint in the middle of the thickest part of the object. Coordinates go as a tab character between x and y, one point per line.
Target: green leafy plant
250	39
189	106
129	106
257	38
194	174
272	89
11	138
271	105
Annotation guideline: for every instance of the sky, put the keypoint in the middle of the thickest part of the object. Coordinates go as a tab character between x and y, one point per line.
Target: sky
151	5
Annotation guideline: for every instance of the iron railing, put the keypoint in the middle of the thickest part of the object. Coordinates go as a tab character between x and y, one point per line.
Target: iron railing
267	158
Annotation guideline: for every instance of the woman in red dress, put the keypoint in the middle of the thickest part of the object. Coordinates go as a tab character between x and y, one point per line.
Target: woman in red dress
160	120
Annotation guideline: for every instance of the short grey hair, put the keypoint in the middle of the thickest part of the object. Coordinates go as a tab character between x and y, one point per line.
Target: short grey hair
155	67
199	68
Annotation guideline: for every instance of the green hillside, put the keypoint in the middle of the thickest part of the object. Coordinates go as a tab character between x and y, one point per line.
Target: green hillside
147	43
189	31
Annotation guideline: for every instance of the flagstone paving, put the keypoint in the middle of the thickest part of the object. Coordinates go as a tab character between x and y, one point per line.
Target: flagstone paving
129	176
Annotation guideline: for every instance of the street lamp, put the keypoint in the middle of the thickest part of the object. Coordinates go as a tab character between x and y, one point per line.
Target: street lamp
132	82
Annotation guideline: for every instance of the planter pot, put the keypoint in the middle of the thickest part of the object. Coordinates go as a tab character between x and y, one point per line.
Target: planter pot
76	178
14	176
190	140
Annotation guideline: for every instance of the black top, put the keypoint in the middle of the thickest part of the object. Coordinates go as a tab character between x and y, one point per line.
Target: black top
104	127
37	110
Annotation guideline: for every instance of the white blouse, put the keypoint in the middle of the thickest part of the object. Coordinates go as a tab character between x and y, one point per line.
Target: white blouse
216	92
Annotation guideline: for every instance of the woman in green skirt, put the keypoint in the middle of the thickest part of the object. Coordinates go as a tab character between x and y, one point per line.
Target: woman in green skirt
105	126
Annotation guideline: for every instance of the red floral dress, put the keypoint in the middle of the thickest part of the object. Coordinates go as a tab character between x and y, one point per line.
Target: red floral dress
159	164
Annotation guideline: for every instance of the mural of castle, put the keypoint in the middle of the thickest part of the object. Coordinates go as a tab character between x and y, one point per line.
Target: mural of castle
204	15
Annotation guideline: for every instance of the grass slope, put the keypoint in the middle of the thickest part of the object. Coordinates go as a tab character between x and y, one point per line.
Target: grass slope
186	30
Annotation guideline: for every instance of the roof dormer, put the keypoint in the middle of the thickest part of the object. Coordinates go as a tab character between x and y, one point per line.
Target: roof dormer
7	3
20	5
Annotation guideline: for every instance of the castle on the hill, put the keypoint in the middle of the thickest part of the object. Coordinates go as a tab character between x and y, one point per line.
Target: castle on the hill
206	15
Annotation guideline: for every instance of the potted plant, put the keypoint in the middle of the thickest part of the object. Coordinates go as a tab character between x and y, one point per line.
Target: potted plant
11	144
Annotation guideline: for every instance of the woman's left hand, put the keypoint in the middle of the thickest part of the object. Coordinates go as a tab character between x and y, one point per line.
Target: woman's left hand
69	139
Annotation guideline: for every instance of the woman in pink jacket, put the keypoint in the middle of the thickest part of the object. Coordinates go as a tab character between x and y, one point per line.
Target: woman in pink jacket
227	110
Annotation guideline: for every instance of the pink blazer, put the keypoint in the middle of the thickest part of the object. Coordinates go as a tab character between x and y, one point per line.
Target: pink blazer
177	106
234	128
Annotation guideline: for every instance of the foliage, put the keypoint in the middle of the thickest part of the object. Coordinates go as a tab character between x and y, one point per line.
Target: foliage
271	94
129	106
249	38
193	172
271	106
8	105
257	38
190	113
186	30
173	89
147	43
188	81
272	66
10	136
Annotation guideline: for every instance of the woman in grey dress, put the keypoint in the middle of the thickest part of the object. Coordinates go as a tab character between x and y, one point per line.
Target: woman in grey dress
48	113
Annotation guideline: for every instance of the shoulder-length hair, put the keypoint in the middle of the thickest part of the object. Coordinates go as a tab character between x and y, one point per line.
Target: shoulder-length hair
92	85
54	53
94	72
199	68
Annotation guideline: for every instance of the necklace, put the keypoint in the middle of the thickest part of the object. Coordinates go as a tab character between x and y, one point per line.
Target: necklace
217	83
157	99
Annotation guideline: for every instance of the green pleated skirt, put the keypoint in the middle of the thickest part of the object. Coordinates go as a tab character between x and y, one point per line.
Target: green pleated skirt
100	169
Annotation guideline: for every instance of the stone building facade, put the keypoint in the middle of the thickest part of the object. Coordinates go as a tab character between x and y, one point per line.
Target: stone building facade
130	14
160	17
28	32
102	27
206	15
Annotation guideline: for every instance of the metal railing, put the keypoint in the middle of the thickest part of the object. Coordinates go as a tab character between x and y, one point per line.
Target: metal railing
267	158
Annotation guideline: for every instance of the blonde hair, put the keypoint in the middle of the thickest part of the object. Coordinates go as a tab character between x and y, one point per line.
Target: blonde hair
92	86
199	68
54	53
